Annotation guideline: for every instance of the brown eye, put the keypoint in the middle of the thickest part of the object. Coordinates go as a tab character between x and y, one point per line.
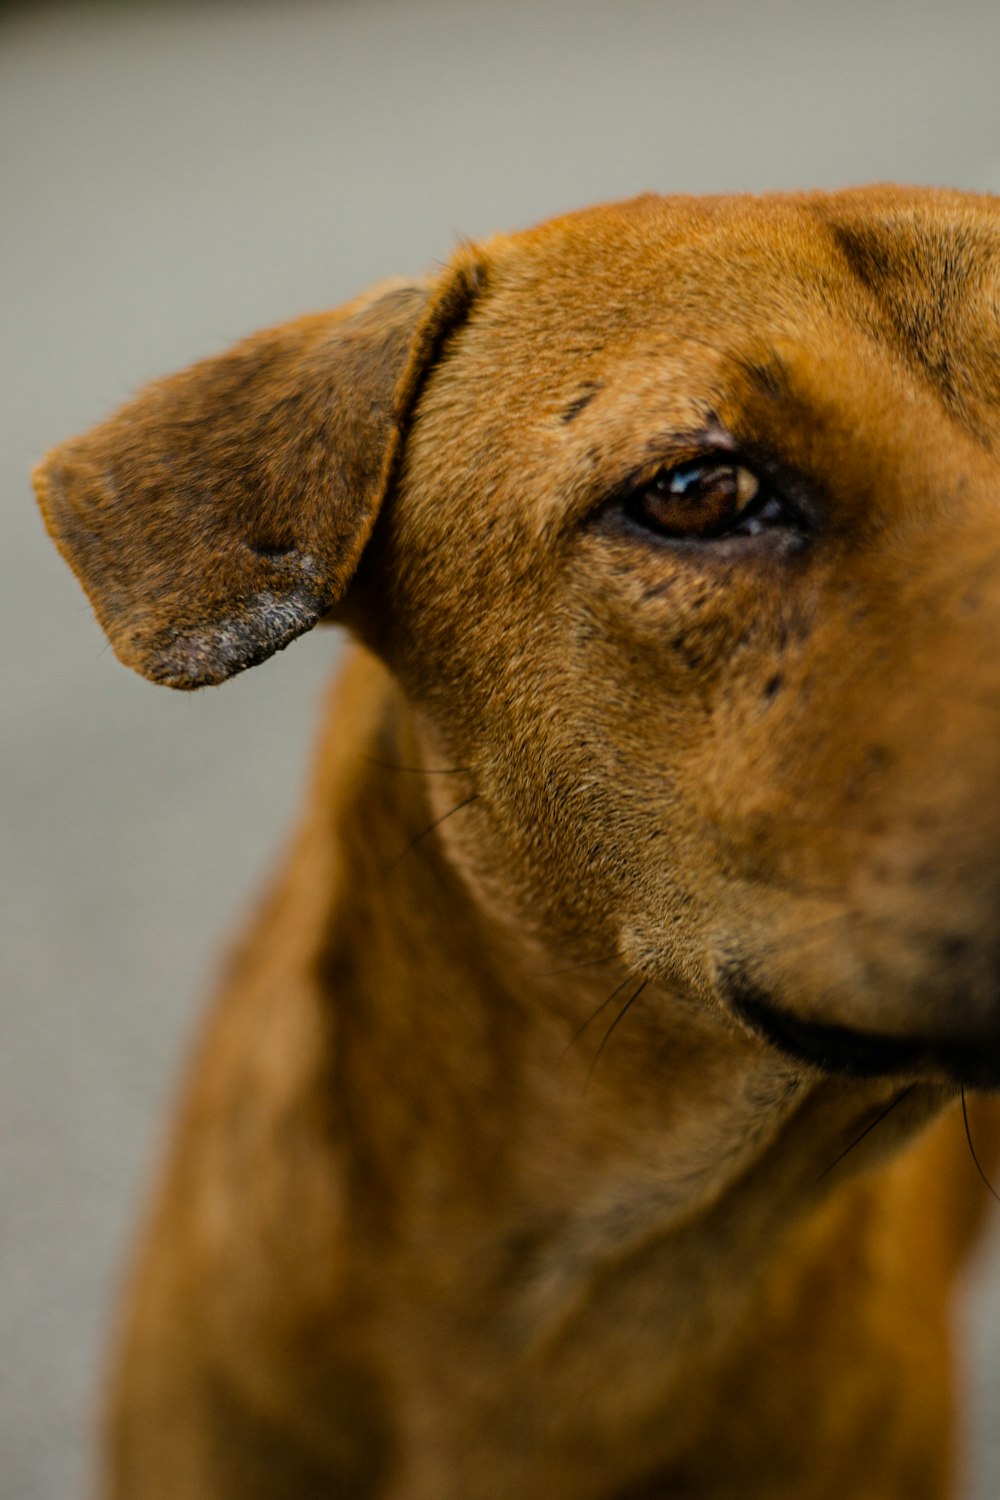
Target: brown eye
703	499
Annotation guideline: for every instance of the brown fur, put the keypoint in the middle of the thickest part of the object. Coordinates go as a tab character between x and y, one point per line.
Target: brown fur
488	1180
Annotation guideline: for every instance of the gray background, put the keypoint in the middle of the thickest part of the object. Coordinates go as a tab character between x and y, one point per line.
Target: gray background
170	178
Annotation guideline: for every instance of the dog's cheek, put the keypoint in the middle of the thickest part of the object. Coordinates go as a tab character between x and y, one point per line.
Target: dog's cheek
600	791
563	841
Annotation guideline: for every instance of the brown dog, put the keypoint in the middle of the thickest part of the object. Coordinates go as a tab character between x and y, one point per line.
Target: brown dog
547	1140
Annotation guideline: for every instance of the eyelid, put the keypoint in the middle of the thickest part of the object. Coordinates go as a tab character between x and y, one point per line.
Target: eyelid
677	458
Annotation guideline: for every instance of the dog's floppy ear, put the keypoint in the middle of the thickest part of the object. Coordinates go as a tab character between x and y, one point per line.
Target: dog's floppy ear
223	512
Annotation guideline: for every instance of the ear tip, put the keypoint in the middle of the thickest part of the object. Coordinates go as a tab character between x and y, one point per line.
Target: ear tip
62	481
209	654
47	482
186	654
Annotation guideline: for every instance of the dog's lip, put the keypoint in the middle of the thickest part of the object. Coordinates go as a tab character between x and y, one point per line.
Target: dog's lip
857	1053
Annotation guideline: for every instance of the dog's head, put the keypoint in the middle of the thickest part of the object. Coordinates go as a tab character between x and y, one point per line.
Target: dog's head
679	523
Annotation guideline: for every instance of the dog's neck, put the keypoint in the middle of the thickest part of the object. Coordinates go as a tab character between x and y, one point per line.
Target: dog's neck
603	1216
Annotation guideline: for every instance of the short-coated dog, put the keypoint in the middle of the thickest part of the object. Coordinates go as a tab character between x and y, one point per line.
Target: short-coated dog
581	1116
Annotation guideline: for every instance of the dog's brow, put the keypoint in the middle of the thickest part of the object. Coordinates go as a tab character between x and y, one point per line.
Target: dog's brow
767	376
583	400
918	278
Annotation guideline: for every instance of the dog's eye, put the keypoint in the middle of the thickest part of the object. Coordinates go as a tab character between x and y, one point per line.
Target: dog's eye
704	499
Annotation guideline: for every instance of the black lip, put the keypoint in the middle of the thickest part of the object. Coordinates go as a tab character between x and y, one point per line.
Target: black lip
870	1054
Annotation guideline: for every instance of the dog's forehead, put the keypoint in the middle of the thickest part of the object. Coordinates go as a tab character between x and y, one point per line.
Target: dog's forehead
915	271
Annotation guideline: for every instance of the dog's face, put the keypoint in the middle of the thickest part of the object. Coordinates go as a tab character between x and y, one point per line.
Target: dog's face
696	561
691	556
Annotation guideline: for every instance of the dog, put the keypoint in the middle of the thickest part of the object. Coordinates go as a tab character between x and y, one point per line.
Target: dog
581	1116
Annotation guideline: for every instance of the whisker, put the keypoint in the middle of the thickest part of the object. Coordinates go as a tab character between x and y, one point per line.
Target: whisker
867	1131
787	885
590	963
578	1033
430	829
799	941
607	1035
388	765
975	1158
805	930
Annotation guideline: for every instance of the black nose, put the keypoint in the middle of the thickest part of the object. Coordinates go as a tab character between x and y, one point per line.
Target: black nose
854	1053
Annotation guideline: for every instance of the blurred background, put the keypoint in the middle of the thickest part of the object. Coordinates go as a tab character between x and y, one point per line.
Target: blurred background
171	177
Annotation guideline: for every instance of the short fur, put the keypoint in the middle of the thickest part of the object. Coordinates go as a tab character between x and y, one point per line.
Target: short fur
579	1116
